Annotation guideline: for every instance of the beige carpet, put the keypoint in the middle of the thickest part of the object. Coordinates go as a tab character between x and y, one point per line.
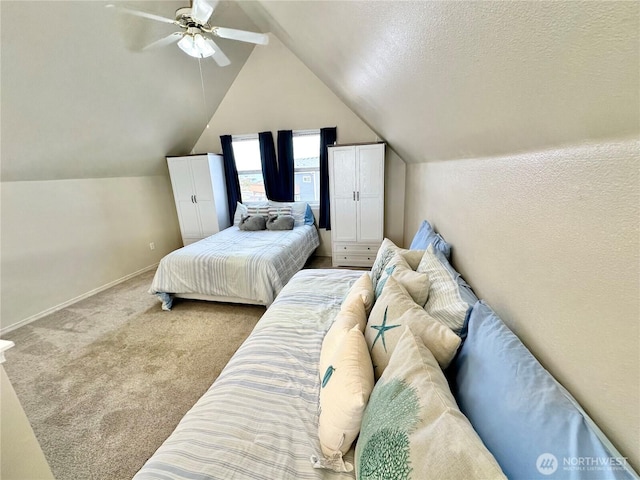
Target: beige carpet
105	381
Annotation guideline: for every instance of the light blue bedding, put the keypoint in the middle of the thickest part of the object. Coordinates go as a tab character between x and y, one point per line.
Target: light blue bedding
237	264
259	419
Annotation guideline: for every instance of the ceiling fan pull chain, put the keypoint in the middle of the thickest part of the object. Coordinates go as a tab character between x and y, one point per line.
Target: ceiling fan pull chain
204	98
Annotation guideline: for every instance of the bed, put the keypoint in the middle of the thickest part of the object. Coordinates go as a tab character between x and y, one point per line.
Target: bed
492	413
259	418
235	266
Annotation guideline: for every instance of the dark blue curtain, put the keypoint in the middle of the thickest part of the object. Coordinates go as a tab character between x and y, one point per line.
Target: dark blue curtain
328	137
269	166
230	175
285	165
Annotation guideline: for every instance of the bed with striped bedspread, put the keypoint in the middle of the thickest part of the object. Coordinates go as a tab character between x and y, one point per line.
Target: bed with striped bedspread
259	419
235	265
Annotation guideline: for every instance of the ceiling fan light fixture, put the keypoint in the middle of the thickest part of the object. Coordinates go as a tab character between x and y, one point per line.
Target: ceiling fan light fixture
196	46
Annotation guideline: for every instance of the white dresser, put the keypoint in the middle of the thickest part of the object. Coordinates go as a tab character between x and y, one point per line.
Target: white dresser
200	193
356	187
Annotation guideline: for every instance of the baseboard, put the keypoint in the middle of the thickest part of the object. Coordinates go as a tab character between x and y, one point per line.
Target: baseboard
51	310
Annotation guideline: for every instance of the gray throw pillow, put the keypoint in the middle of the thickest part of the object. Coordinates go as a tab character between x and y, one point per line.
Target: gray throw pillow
280	222
251	223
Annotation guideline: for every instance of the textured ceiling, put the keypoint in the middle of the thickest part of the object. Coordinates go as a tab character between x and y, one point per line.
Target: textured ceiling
80	100
445	80
437	80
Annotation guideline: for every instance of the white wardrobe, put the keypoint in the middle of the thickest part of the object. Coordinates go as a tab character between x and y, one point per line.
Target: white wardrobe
356	188
200	194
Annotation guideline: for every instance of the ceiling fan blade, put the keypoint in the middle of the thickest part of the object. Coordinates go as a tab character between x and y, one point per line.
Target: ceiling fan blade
202	9
168	40
242	35
218	55
142	14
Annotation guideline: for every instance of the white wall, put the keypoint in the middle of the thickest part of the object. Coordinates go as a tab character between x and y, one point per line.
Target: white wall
64	238
551	240
275	91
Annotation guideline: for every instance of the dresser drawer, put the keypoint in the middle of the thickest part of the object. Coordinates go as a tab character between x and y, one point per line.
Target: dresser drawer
356	248
344	260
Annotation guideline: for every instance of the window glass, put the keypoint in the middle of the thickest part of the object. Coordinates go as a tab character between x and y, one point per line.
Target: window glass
246	150
306	165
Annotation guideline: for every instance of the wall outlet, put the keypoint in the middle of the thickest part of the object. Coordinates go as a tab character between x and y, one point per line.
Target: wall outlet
152	246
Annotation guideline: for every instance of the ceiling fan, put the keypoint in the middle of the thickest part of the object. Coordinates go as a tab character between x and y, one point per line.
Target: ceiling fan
195	38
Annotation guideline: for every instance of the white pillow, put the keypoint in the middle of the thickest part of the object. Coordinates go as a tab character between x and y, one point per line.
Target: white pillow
362	289
241	210
386	251
298	210
394	310
417	284
412	410
346	319
345	388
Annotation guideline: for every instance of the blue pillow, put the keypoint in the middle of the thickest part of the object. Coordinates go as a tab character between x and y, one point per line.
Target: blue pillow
426	235
308	216
528	421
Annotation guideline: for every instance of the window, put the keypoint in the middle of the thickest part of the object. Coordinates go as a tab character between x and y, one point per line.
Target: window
306	165
246	150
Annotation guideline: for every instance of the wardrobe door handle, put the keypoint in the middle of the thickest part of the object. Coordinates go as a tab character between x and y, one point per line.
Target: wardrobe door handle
192	200
195	199
358	196
354	196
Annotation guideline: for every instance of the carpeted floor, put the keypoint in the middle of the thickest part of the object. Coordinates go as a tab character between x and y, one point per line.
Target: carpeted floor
106	380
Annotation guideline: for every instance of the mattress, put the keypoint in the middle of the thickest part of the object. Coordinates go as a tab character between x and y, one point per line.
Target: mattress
259	419
237	264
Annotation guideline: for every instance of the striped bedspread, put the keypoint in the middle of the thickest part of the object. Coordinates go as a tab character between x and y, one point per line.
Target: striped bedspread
236	263
259	419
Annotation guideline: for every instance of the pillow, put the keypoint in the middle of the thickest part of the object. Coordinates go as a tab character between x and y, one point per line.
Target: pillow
426	236
241	211
346	385
280	222
345	320
282	210
298	210
361	289
501	387
412	257
416	283
412	427
391	313
385	253
262	210
308	216
450	298
252	223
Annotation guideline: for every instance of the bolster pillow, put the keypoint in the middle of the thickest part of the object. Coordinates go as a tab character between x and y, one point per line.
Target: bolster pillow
280	222
252	223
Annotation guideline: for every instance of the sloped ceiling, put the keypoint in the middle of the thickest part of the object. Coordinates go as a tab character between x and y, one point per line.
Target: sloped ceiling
436	80
80	99
446	80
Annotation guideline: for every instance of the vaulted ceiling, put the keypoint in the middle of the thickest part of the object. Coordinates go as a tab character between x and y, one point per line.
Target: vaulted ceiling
81	100
437	80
